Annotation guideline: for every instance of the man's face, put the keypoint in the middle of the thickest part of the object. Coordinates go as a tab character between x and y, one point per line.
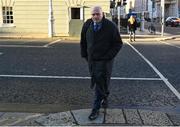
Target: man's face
97	15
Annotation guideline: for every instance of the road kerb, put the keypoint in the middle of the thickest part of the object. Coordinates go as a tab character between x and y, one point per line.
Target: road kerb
80	117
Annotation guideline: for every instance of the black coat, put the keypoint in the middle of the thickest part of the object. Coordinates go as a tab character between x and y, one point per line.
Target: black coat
101	45
132	27
100	48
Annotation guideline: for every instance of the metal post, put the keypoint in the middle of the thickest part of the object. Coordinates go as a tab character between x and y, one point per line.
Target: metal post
177	10
142	16
119	17
142	21
162	21
50	20
152	12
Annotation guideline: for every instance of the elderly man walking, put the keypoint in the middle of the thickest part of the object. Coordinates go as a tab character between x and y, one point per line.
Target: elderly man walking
100	43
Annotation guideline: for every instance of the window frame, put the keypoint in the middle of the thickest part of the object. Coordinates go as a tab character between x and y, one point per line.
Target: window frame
81	12
75	9
5	12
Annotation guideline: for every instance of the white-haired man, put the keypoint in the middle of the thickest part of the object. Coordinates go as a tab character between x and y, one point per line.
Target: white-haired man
100	43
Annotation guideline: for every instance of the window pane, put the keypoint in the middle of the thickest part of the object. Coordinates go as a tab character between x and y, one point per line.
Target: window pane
4	21
8	17
11	13
11	21
7	13
3	8
11	17
8	21
4	17
75	13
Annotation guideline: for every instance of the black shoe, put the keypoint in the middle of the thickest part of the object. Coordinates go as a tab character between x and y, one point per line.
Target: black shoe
104	103
94	114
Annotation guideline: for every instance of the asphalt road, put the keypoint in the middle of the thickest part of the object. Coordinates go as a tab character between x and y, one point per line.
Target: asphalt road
40	73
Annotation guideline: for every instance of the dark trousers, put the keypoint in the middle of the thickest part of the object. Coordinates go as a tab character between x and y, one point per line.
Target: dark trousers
100	73
132	34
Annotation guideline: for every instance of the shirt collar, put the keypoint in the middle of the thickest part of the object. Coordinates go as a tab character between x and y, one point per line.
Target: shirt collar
99	23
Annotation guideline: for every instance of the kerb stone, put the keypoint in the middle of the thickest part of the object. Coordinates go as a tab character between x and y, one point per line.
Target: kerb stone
114	116
154	118
57	119
81	117
132	117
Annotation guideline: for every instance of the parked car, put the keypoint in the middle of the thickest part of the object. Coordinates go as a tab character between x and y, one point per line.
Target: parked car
172	21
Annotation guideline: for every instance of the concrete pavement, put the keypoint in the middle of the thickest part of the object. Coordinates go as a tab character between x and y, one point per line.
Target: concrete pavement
110	117
139	35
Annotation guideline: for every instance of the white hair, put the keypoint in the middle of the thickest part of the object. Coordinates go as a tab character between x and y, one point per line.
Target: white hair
96	9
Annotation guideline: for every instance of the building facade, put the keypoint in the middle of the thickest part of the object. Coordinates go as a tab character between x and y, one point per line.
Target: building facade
172	8
138	6
31	16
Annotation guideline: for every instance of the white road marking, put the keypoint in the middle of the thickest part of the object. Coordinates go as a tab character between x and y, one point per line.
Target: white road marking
1	53
74	77
22	46
53	42
157	71
170	44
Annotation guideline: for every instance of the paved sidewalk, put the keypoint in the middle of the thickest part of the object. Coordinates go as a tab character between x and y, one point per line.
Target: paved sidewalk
110	117
139	35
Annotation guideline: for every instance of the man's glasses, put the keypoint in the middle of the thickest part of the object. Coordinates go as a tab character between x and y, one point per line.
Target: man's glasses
96	14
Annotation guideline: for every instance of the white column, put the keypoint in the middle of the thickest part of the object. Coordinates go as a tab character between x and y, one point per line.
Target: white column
50	20
162	16
81	13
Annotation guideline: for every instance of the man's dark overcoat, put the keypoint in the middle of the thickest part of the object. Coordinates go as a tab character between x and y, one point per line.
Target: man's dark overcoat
99	49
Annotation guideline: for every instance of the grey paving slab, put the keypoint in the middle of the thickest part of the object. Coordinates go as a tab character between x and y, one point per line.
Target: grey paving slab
30	122
56	119
114	116
154	118
1	114
175	118
132	117
9	119
81	117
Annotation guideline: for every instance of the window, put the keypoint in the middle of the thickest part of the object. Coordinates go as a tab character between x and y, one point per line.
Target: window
75	13
7	13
